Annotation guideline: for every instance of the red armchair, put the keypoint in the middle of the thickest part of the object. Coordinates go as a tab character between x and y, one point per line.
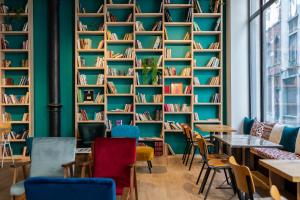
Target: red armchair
114	158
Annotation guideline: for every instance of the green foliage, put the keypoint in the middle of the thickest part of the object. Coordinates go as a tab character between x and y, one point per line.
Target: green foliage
150	65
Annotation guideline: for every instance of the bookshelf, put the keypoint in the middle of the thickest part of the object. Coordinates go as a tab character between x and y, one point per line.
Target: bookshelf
16	69
141	42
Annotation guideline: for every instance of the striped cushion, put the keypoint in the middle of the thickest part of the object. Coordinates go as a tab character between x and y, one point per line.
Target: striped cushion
268	127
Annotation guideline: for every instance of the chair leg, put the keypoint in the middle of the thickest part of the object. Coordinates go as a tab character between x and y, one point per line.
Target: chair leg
188	154
192	158
185	151
199	176
233	182
211	181
204	180
149	166
226	177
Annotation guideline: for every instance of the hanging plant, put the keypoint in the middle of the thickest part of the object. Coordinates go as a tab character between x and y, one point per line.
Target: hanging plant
149	65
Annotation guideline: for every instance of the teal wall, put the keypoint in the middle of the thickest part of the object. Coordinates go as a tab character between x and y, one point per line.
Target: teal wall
40	16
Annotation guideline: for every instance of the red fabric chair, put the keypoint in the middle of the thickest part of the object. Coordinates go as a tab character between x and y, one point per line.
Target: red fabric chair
115	158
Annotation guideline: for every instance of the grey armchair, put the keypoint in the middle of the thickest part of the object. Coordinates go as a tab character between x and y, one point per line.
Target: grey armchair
50	157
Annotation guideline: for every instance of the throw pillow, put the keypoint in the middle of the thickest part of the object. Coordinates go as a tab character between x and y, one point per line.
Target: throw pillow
247	125
267	130
257	129
297	145
288	138
276	133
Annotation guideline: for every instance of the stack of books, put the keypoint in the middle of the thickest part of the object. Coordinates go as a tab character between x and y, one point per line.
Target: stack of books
99	98
24	80
157	98
100	79
6	27
128	36
111	88
157	26
143	116
197	45
82	80
177	108
157	43
13	99
110	17
214	45
99	62
139	26
99	116
186	71
25	117
82	116
196	81
140	98
171	125
85	43
213	62
214	80
6	117
215	98
196	27
197	7
168	53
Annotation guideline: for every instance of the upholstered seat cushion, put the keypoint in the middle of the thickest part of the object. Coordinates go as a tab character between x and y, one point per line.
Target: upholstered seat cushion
144	153
274	153
17	189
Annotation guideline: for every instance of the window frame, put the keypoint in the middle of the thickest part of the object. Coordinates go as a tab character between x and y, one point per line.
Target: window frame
258	13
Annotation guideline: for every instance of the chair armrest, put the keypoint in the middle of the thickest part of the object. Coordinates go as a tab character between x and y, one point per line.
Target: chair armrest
69	164
125	194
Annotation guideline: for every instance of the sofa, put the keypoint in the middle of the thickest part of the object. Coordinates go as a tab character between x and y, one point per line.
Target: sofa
288	137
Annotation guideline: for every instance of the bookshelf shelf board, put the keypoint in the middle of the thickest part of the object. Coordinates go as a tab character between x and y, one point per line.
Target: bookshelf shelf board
90	32
14	86
140	68
206	86
148	15
120	77
207	68
178	5
117	95
15	104
90	50
14	50
90	104
179	95
90	14
150	139
205	15
119	41
177	59
178	113
206	50
178	41
173	131
207	32
14	68
148	86
119	59
14	32
120	23
207	104
150	103
90	68
178	77
15	140
14	14
148	32
148	50
19	122
91	121
90	86
119	113
148	122
207	121
119	6
178	24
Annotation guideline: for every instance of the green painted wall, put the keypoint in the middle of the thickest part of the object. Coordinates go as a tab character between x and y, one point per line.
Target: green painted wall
40	16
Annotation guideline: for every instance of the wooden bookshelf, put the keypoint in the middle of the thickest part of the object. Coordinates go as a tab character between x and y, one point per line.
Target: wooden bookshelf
15	38
147	37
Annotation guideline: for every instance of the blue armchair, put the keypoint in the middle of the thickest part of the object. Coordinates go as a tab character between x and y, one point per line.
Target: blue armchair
70	189
50	157
143	153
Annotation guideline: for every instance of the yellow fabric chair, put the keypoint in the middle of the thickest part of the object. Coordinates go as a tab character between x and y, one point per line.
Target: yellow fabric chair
145	153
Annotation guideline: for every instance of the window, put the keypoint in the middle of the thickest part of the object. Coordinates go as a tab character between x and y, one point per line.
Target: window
274	66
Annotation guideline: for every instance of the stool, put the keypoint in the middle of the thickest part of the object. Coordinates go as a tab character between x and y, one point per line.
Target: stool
145	153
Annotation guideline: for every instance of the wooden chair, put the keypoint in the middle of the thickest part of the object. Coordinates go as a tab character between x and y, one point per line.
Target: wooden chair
244	180
274	192
5	129
216	163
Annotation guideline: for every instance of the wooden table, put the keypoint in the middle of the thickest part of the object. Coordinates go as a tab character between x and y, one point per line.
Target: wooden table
215	128
245	142
288	169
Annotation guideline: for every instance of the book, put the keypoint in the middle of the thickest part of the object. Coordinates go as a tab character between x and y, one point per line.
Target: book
216	6
218	23
100	9
176	88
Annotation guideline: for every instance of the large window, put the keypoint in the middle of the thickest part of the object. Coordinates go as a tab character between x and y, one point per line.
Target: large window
274	60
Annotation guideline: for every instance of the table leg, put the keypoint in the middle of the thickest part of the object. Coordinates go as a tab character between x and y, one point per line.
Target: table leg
243	156
298	191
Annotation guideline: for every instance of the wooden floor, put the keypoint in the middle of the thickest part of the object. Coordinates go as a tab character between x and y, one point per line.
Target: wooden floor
170	180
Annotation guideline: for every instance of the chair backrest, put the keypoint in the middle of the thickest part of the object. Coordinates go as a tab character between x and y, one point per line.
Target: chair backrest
274	192
126	131
203	149
75	188
49	153
5	128
243	176
89	132
112	158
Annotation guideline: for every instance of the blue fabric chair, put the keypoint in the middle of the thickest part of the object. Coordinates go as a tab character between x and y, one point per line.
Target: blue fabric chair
50	157
143	153
70	189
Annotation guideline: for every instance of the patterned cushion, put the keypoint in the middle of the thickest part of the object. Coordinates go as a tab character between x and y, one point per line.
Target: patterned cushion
274	153
257	129
267	130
